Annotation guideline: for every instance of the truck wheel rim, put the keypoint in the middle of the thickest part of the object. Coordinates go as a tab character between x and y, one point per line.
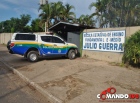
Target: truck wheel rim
73	55
33	57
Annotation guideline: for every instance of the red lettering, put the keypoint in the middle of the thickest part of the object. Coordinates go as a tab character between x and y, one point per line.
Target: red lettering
137	96
134	96
129	96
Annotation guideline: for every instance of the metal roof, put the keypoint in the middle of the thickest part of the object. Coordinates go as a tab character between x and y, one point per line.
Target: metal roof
68	27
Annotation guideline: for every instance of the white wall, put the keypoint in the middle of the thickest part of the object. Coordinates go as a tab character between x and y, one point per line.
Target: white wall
5	37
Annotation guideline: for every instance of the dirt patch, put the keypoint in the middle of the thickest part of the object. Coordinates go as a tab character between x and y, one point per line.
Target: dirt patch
76	86
26	69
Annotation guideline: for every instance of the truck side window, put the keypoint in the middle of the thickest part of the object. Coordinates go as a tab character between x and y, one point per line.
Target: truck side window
25	37
57	40
46	38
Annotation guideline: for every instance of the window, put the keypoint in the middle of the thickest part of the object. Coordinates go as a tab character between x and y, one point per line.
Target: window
46	38
57	40
25	37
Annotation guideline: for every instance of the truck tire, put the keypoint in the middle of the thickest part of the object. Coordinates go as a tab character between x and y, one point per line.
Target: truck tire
32	56
71	54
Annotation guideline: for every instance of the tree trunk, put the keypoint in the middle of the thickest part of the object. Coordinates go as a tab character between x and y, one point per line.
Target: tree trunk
47	26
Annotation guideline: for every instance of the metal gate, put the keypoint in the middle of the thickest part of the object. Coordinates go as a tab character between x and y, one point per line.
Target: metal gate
74	37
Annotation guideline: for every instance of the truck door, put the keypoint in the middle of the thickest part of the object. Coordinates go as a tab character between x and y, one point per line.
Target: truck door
46	45
59	46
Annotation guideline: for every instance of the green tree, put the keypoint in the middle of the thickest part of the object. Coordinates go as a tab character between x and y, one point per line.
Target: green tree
98	12
54	12
24	19
86	20
27	28
57	8
66	14
15	24
35	24
117	13
5	26
46	15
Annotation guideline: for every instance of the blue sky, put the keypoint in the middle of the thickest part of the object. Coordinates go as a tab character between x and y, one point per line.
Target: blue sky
15	8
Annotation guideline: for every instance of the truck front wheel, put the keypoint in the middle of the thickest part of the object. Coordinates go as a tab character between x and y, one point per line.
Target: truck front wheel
71	54
32	56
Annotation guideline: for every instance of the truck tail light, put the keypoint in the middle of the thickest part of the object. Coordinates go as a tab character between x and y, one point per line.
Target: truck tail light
12	45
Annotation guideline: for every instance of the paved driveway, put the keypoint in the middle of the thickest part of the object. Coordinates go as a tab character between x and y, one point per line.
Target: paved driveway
78	80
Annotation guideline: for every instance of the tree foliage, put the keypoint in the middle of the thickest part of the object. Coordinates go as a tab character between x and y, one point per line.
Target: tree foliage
108	13
132	49
35	25
15	24
54	12
86	20
117	13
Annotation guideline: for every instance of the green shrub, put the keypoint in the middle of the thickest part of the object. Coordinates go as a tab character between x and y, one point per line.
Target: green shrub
132	49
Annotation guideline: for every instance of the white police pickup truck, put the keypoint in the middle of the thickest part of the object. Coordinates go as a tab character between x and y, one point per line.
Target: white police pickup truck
32	46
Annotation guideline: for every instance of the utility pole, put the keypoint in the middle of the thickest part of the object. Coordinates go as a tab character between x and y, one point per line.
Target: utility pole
43	2
45	27
2	27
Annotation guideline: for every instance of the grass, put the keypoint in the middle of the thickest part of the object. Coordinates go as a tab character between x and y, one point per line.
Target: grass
3	44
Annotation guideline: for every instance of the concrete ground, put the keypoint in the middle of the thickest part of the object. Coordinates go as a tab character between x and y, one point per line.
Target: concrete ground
15	90
76	81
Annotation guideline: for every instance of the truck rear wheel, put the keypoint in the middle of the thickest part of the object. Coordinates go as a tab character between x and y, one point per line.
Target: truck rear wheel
71	54
32	56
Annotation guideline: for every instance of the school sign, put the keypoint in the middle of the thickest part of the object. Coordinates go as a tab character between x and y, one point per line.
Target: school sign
104	40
